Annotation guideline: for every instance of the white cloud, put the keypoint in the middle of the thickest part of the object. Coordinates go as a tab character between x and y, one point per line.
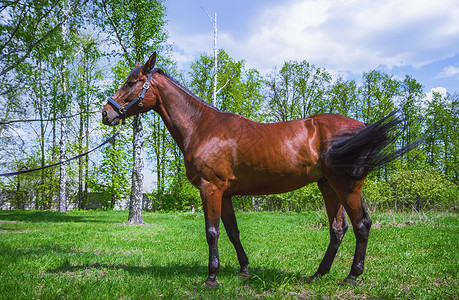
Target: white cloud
341	36
449	71
355	35
440	90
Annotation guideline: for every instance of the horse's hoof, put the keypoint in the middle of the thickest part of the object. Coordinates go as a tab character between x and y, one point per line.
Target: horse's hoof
350	280
210	284
313	278
245	275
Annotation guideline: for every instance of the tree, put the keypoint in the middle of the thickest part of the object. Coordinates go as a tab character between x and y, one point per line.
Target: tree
28	25
442	134
36	77
239	89
138	28
111	173
342	97
37	52
298	90
88	75
215	72
159	147
409	105
377	96
64	108
283	106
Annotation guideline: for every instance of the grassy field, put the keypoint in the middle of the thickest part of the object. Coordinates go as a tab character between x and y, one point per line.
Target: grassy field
94	255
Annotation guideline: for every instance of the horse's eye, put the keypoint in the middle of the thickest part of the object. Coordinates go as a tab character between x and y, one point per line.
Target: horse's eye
131	83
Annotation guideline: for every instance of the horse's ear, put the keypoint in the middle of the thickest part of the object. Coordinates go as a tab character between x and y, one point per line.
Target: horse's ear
137	64
150	64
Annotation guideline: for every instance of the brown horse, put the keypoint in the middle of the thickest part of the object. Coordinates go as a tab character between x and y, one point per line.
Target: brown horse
226	154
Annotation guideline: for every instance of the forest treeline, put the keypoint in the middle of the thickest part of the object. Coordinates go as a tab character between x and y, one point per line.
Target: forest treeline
60	59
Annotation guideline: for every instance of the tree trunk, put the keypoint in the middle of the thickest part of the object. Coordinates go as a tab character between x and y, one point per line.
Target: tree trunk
52	193
80	162
215	61
86	158
113	197
135	204
62	173
63	141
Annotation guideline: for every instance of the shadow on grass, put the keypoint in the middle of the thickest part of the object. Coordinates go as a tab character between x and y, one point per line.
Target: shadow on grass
36	216
261	278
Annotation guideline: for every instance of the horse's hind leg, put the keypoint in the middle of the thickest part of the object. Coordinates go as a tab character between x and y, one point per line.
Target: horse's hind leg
338	227
351	198
361	225
229	221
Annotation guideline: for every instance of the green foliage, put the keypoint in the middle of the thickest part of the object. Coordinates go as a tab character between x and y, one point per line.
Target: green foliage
343	95
377	194
30	26
239	88
412	190
378	94
424	189
298	90
178	195
304	199
442	130
135	26
111	176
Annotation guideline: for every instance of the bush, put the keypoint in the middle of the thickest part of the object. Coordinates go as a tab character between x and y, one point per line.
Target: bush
406	190
377	194
304	199
423	189
181	196
247	203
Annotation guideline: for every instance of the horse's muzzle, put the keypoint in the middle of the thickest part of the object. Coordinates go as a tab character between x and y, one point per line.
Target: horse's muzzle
110	118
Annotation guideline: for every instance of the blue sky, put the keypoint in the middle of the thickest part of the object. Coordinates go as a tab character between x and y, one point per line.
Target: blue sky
400	37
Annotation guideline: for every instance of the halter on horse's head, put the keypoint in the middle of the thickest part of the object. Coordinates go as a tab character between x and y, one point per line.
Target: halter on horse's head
119	106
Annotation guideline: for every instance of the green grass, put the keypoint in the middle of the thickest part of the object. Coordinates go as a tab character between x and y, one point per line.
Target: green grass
94	255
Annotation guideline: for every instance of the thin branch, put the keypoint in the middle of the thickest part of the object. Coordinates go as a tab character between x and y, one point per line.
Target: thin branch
226	83
13	33
205	10
6	4
46	120
116	30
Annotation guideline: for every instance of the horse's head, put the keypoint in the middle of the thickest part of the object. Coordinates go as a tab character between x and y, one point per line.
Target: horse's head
135	95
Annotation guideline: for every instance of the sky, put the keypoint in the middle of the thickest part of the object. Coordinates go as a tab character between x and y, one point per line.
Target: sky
399	37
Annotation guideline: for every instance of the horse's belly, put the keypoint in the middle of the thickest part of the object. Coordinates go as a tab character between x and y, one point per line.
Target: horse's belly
263	183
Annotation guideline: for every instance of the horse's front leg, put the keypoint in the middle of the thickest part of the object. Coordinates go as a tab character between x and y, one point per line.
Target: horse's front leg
211	197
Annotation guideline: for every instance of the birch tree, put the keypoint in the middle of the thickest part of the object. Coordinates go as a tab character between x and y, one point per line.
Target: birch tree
215	82
137	28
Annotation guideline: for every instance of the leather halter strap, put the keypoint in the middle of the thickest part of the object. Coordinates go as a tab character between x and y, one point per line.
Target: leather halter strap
123	109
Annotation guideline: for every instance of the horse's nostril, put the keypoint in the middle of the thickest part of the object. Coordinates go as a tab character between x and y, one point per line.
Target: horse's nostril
104	113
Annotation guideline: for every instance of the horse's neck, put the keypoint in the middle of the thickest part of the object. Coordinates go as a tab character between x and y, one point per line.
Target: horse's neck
181	112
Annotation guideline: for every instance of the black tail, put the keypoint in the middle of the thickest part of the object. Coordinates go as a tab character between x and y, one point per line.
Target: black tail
357	153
